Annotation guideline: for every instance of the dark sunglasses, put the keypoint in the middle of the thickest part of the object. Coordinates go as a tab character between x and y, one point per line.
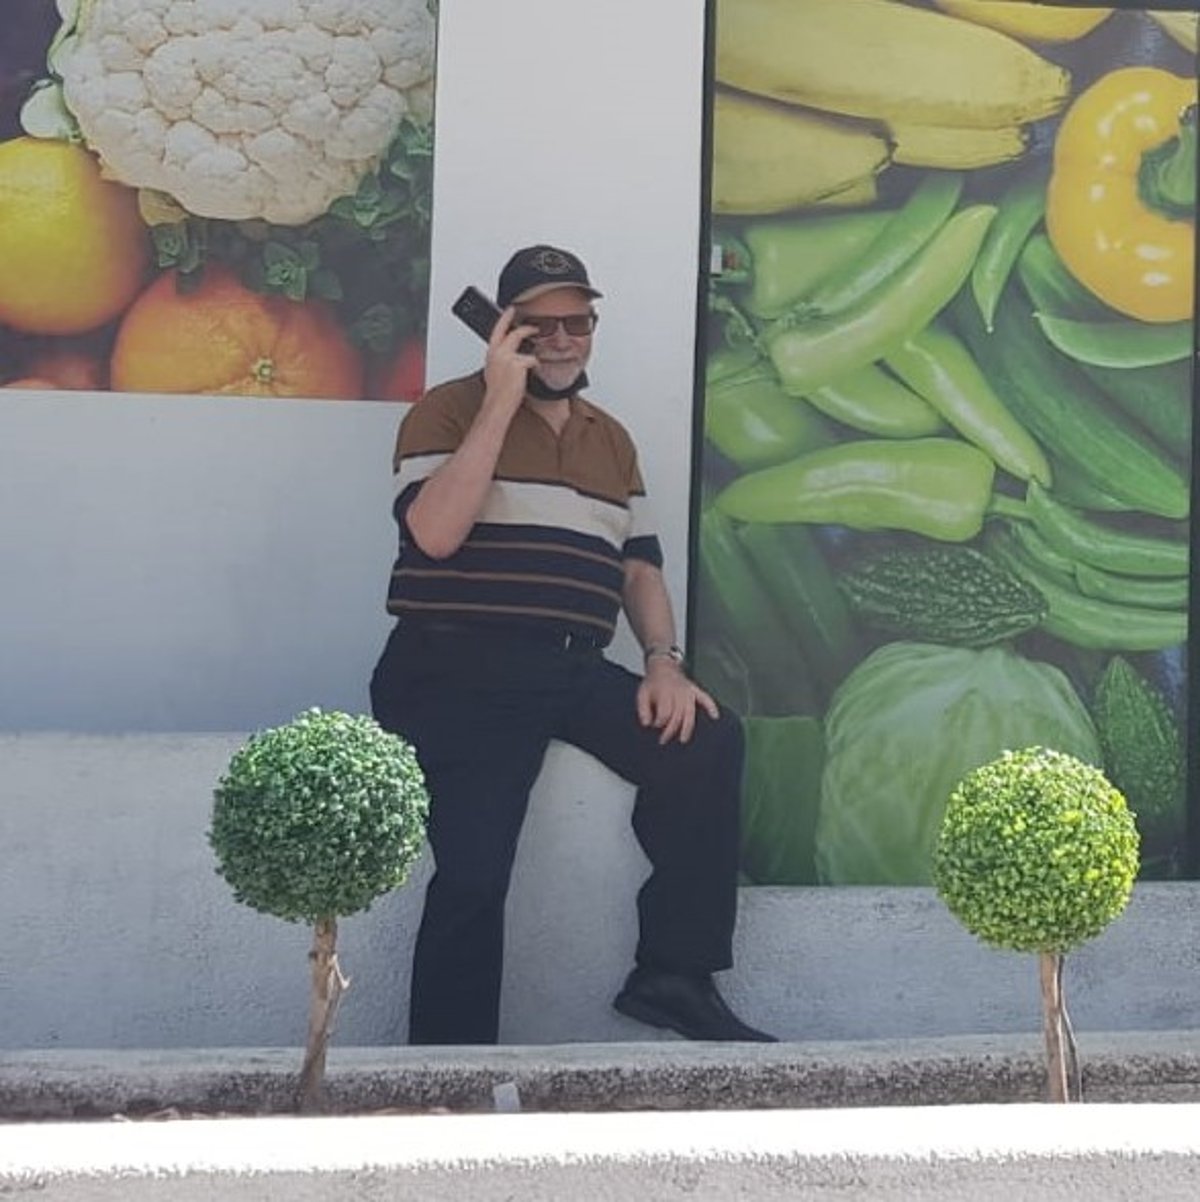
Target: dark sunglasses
578	325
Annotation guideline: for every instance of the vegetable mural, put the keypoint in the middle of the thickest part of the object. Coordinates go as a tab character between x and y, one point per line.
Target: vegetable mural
947	413
201	197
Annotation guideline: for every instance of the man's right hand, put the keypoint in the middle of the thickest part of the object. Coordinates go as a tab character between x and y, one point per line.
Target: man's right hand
450	501
506	368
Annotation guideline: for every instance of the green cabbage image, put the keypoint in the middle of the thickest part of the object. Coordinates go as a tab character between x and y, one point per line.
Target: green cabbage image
905	727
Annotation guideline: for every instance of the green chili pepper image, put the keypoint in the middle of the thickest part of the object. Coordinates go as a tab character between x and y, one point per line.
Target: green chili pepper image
937	487
816	352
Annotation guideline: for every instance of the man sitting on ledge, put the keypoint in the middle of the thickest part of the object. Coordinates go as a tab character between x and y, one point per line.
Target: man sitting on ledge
523	533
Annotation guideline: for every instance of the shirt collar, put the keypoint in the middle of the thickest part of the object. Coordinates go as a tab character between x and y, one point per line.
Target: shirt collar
584	409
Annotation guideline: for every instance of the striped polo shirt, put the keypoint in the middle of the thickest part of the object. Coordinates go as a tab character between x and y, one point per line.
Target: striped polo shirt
562	514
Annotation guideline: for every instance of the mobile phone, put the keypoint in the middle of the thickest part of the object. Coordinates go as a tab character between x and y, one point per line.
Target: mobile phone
476	312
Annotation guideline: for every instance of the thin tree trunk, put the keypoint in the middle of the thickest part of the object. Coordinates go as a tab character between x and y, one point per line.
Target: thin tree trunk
328	985
1052	1024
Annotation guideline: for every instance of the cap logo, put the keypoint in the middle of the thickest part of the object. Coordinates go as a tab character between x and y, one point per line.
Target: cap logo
551	262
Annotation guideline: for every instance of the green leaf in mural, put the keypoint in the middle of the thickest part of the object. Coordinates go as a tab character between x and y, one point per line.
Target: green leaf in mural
781	794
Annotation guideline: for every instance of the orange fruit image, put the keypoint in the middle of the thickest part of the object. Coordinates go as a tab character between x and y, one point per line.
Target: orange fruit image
221	337
35	383
67	368
401	378
73	249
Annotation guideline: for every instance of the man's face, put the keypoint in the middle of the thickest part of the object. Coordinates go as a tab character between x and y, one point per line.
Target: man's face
561	356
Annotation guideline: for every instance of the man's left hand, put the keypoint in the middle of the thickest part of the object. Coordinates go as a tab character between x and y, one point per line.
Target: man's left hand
667	700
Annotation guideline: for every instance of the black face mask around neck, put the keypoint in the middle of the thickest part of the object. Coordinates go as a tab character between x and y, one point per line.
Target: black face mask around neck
537	388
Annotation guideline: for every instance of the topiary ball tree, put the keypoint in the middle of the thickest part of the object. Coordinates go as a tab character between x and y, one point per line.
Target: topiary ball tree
313	821
1037	852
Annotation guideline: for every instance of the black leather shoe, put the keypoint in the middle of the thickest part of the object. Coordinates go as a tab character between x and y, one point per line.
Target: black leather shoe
689	1005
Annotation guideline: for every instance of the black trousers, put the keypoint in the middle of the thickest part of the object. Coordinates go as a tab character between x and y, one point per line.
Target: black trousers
480	709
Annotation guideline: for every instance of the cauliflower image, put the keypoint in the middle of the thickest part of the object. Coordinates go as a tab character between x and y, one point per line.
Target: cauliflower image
245	109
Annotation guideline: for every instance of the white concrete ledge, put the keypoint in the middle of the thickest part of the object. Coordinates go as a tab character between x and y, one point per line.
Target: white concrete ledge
987	1154
104	837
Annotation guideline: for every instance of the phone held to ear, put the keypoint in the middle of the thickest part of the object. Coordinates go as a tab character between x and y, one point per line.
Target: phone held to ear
478	313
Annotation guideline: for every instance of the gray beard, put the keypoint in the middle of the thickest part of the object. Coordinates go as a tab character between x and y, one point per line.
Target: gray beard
537	388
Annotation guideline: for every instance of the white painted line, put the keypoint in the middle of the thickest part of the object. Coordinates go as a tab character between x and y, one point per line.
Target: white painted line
329	1145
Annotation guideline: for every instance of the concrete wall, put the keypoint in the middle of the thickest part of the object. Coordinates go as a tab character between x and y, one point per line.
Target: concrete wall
214	565
119	934
189	563
209	565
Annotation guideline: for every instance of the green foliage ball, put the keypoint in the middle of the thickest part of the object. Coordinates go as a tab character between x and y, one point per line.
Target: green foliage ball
315	819
1037	852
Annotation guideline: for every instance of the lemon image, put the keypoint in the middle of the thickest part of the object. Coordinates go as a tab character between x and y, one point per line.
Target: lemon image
73	249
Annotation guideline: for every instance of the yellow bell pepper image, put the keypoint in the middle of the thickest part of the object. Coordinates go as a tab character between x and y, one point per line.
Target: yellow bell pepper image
1121	204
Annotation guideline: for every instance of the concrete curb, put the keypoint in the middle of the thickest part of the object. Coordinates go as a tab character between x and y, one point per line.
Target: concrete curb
1117	1067
988	1154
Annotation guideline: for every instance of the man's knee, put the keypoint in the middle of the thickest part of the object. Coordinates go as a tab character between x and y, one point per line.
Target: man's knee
719	743
727	731
710	763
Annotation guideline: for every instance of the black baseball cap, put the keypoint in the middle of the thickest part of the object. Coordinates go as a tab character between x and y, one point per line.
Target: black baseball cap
539	269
